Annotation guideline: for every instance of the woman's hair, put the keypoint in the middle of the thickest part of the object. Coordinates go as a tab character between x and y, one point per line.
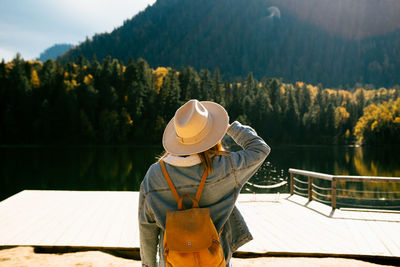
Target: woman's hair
207	156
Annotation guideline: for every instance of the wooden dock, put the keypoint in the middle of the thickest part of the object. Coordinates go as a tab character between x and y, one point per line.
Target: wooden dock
281	225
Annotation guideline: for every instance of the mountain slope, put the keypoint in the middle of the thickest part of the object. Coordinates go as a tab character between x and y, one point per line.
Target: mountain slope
355	19
54	51
267	37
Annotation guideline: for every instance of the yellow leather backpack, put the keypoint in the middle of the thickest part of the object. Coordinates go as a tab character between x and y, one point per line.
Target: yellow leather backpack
190	237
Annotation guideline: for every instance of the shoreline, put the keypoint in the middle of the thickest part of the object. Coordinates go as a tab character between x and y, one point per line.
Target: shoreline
25	256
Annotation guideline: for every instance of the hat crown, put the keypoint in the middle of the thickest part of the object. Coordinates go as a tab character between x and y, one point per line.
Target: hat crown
196	127
191	119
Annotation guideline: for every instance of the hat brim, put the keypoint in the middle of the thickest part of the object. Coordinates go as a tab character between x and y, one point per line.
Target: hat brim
220	121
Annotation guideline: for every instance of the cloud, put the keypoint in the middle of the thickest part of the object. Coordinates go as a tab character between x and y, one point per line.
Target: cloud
6	54
31	26
97	15
29	42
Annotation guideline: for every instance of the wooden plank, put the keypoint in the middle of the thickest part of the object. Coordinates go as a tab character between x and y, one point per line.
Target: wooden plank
12	207
61	222
45	225
296	228
392	232
76	221
81	233
262	231
378	248
321	229
385	238
102	226
25	223
280	224
128	236
111	236
272	235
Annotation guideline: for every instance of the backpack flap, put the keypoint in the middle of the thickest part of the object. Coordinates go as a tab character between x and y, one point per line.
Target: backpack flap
188	230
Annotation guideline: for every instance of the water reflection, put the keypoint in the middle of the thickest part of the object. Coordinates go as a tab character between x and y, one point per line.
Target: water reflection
101	168
123	168
378	161
339	160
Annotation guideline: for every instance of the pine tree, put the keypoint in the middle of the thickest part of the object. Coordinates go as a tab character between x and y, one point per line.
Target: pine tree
217	88
172	103
304	99
104	83
262	111
206	85
228	96
291	115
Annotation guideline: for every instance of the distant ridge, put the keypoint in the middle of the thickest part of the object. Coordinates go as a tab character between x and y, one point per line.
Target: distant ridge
338	43
54	51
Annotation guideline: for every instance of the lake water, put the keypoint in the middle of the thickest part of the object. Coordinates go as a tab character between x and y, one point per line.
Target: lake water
123	168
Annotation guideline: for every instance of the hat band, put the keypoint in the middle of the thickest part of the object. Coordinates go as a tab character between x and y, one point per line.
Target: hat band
199	137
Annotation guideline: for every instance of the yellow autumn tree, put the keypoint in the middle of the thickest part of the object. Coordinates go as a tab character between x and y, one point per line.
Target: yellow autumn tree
380	124
88	79
159	75
341	116
35	82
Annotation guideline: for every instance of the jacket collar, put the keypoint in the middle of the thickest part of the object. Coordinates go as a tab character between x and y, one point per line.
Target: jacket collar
182	161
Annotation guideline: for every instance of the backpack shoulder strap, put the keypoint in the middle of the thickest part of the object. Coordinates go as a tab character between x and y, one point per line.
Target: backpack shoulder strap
172	187
201	185
169	181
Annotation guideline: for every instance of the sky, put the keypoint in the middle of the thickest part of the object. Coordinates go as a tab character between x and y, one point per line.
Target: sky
29	27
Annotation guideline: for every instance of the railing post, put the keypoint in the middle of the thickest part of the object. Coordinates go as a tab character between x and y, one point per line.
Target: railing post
333	193
309	188
291	184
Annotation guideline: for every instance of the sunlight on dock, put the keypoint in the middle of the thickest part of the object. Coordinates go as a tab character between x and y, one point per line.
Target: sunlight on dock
281	224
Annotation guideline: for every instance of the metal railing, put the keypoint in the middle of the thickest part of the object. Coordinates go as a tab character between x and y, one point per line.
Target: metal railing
334	180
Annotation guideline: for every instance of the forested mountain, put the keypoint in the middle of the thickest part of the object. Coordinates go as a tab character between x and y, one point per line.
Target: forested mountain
54	51
334	42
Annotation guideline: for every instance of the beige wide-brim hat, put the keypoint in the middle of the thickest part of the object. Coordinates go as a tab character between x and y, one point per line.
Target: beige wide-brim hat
196	127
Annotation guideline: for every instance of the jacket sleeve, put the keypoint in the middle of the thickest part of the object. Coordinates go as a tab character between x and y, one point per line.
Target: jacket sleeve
246	162
149	233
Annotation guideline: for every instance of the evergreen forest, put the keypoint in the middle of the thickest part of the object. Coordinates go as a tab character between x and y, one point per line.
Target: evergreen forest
110	102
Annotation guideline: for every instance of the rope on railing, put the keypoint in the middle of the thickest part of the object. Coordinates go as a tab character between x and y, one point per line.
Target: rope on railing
299	181
321	188
299	193
268	186
373	192
323	201
334	179
300	188
319	194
